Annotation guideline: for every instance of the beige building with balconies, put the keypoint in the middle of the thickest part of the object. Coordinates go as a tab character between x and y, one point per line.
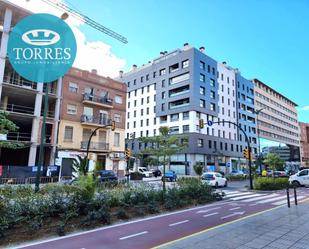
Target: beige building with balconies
24	102
277	120
91	101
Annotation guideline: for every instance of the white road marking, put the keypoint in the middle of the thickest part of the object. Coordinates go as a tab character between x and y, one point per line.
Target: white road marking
230	192
207	210
291	200
239	194
235	208
245	197
178	223
133	235
233	214
260	198
254	204
271	199
212	214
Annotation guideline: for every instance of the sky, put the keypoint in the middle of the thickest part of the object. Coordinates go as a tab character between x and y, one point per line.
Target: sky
265	39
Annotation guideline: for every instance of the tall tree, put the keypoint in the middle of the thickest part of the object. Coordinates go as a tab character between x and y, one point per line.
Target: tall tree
7	126
274	162
163	147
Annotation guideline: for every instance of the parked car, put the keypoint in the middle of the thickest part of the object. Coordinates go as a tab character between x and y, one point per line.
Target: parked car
107	175
280	174
214	179
156	172
143	170
170	176
300	179
238	173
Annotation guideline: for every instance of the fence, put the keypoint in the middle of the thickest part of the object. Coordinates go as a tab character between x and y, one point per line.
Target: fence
31	180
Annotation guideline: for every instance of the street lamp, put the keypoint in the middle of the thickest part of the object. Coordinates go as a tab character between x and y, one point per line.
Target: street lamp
257	112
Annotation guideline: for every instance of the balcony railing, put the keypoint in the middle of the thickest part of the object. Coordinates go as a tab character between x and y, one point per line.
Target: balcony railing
95	120
19	136
95	145
98	99
18	109
16	80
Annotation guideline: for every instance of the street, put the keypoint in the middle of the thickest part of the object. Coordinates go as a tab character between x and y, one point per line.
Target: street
154	231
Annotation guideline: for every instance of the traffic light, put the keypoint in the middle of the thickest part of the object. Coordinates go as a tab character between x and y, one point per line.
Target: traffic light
201	123
128	153
246	153
113	126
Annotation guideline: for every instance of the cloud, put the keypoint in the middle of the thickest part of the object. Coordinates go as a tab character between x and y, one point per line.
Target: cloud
304	108
90	54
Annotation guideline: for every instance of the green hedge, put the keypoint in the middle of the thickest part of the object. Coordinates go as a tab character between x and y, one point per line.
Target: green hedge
62	208
270	183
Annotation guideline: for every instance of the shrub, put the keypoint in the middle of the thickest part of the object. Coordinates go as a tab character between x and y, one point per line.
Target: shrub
198	168
122	214
270	183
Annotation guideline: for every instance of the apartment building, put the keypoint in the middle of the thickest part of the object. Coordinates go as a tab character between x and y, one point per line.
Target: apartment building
24	102
90	101
277	120
304	143
176	90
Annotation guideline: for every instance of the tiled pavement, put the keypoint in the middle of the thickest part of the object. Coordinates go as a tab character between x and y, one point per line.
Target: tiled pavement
280	228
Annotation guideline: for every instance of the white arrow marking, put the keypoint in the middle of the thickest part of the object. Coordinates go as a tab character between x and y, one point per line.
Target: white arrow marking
207	215
178	223
233	214
133	235
207	210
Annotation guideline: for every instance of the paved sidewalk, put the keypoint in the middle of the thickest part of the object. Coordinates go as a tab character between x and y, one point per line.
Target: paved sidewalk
280	228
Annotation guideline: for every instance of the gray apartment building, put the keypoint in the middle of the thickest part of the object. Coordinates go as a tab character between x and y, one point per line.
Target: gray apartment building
182	86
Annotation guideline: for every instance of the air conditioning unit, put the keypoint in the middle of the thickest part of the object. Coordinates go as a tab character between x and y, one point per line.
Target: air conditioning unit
116	155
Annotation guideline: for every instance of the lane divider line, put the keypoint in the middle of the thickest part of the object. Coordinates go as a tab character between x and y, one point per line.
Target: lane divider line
207	210
212	214
133	235
235	208
178	223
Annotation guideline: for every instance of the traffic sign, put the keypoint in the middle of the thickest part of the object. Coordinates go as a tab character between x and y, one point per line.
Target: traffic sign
209	122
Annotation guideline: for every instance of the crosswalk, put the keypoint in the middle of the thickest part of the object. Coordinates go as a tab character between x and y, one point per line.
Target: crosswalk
253	198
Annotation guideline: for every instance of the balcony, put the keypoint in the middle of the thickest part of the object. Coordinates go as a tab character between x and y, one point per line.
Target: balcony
97	100
18	109
16	80
18	136
95	121
95	146
179	103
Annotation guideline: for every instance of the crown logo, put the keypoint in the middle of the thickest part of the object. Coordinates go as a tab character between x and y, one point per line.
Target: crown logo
41	37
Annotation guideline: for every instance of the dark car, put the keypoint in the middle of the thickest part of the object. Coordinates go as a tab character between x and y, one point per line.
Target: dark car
170	176
108	175
156	173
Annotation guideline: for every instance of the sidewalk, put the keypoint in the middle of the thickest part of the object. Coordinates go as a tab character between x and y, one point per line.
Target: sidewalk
280	228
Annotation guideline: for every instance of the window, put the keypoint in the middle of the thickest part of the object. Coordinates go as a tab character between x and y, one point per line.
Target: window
71	109
135	103
174	130
174	68
212	106
174	117
68	133
185	115
142	123
202	103
202	77
134	124
202	90
209	144
142	90
147	77
185	64
148	88
208	68
128	115
142	112
185	128
117	139
222	76
142	101
163	107
128	83
147	121
154	121
212	94
202	65
212	82
73	87
179	78
222	88
117	118
200	143
134	82
135	93
147	99
154	74
134	114
142	78
163	95
213	71
162	71
128	104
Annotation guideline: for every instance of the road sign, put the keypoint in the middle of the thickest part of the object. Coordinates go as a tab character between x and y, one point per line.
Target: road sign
209	122
35	168
228	164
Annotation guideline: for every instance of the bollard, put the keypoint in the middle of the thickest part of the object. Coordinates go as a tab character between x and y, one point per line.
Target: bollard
295	195
288	196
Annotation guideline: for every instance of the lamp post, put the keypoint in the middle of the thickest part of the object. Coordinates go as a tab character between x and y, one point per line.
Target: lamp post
257	112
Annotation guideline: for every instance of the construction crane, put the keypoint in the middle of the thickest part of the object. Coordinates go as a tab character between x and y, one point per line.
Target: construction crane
85	19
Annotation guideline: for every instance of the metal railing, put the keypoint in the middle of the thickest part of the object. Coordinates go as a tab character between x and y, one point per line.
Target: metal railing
31	180
16	80
98	99
19	136
95	145
95	120
18	109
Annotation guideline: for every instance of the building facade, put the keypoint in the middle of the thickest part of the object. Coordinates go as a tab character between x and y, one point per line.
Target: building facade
24	102
90	101
304	143
277	120
179	88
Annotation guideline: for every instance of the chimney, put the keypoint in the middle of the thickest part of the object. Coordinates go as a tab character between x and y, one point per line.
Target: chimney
120	73
161	53
94	71
202	49
165	52
185	44
224	62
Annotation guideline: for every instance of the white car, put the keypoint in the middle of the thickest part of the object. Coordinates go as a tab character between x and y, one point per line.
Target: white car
301	178
214	179
144	171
